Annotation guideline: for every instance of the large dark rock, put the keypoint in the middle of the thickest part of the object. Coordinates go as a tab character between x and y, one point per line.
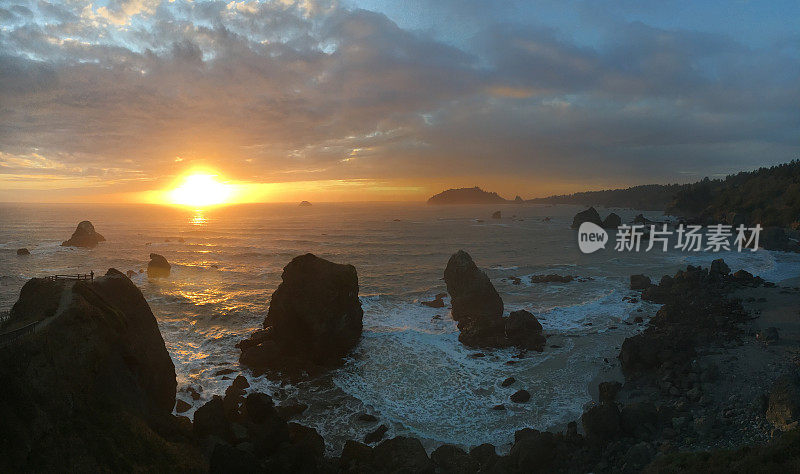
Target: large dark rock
478	309
94	384
523	330
783	408
314	318
601	422
84	236
612	221
23	251
158	267
640	282
589	215
401	454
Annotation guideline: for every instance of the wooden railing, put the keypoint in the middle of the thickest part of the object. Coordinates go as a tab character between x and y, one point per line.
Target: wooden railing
11	336
80	276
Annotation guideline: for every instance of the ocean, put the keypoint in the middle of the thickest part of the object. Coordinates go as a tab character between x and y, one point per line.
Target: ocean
409	369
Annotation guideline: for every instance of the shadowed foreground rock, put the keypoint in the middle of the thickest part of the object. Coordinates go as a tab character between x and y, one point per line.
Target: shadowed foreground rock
92	389
314	319
84	236
478	310
158	267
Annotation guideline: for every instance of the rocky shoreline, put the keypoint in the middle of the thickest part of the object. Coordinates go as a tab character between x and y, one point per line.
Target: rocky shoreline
715	369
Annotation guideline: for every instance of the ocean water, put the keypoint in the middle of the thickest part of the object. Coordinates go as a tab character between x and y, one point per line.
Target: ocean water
409	368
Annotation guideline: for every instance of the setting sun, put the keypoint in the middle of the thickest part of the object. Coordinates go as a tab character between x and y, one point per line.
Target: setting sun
200	190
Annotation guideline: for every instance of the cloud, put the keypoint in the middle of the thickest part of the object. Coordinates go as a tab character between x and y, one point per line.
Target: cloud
281	91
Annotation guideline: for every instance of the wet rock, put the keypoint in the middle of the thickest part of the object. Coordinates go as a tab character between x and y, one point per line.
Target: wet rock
783	409
508	381
523	330
291	409
719	267
314	319
84	236
552	278
476	305
589	215
158	267
640	282
23	251
376	435
435	303
520	396
367	418
499	407
497	215
181	406
612	221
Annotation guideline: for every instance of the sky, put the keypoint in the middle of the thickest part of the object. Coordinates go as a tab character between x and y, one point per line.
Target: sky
391	100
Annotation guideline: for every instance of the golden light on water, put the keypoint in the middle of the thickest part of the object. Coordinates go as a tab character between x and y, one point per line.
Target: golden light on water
201	190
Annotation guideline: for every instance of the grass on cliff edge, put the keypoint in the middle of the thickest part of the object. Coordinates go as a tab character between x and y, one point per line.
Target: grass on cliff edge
781	455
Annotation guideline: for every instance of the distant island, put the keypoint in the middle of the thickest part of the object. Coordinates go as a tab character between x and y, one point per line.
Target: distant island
769	196
474	195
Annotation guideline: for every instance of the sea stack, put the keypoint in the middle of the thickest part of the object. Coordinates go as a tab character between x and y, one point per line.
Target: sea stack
305	204
478	309
158	267
84	236
314	319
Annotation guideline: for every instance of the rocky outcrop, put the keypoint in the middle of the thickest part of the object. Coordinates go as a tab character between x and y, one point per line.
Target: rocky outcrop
314	319
612	221
23	251
478	309
94	383
84	236
552	278
158	267
474	195
640	282
589	215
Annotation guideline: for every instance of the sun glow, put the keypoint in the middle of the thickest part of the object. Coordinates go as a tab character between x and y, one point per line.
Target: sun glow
200	190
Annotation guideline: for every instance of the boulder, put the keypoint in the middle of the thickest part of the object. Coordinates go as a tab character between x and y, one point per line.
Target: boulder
158	267
552	278
476	305
523	330
84	236
314	318
719	268
306	437
437	302
783	407
640	282
451	459
23	251
520	396
497	215
376	435
589	215
612	221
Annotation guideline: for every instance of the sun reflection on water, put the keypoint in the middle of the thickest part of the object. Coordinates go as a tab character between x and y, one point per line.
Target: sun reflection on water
199	218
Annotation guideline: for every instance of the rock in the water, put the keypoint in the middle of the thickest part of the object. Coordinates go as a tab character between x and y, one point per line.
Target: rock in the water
508	381
719	267
640	282
403	455
589	215
182	406
301	435
451	459
84	236
523	330
305	204
497	215
130	273
158	267
520	396
376	435
478	309
23	251
783	409
552	278
612	221
314	318
437	302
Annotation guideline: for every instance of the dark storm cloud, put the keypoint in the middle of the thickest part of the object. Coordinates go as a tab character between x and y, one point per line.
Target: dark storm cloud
313	90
